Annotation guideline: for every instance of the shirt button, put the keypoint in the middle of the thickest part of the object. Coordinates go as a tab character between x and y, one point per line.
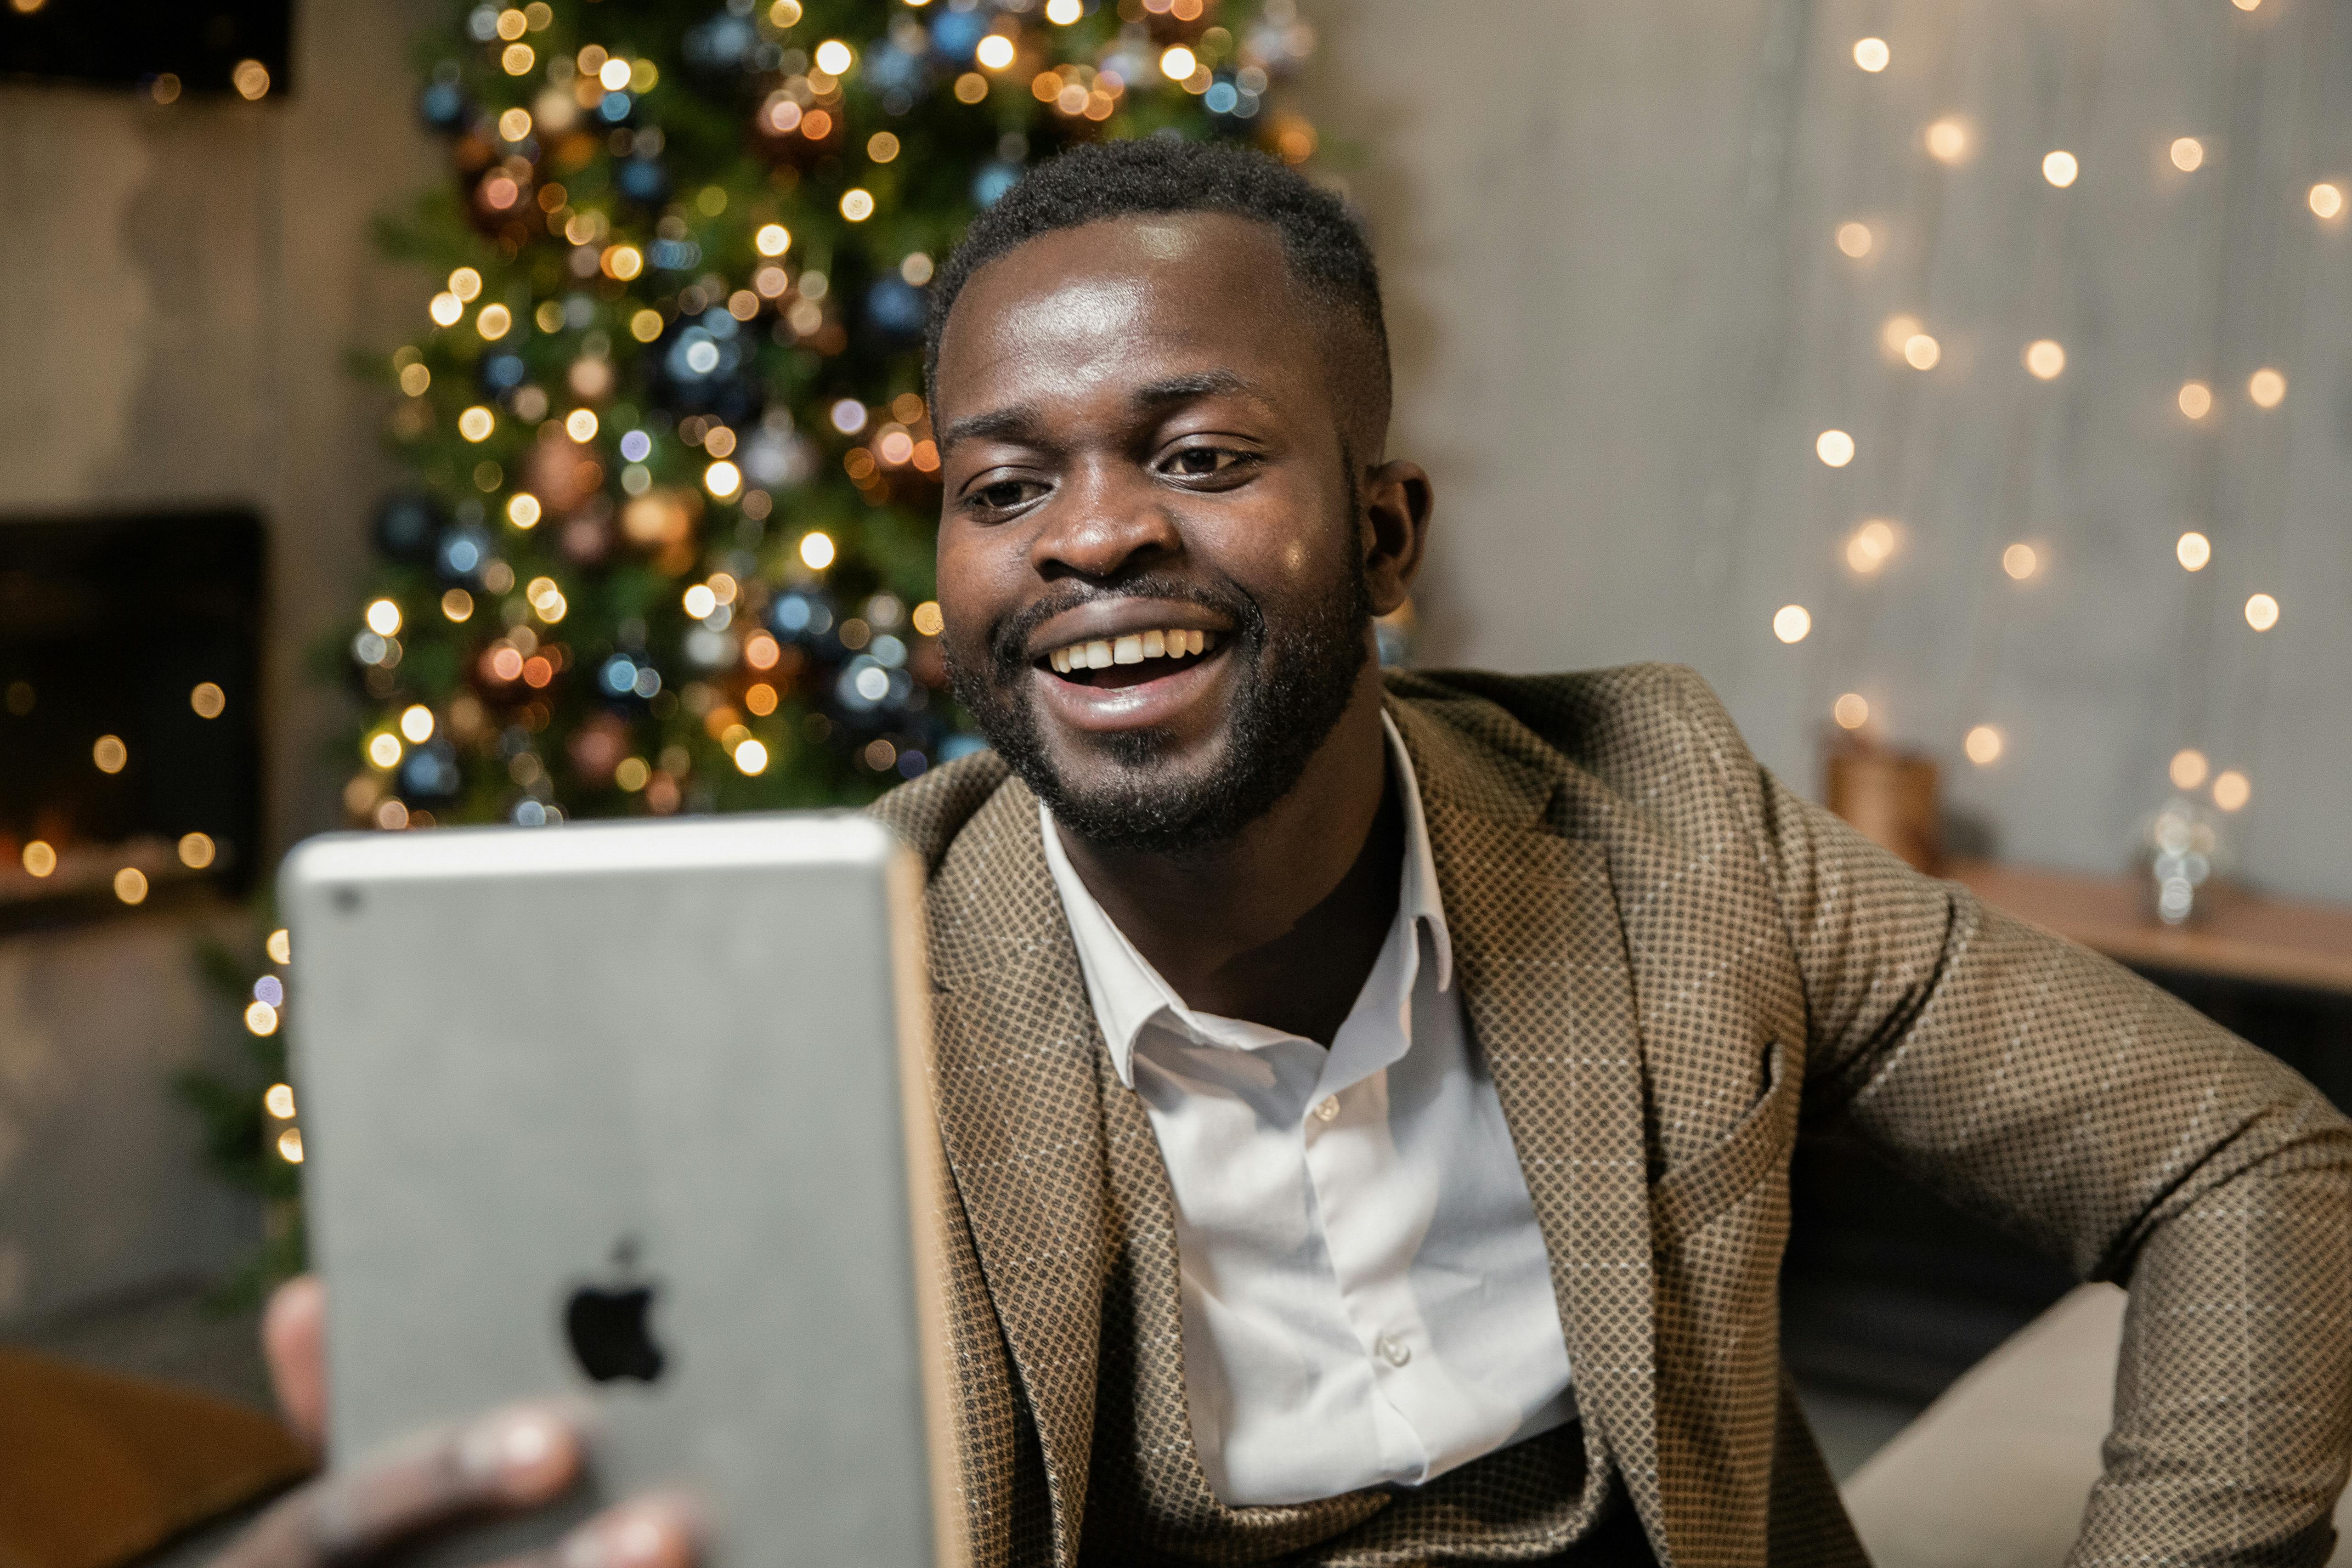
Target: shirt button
1393	1351
1327	1109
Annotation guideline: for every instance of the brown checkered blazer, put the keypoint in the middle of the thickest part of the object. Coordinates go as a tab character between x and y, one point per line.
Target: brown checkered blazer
1669	962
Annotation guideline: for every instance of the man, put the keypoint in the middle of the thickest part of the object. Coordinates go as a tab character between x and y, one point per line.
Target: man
1368	1100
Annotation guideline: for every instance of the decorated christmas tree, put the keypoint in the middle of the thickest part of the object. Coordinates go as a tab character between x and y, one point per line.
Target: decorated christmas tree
667	543
664	542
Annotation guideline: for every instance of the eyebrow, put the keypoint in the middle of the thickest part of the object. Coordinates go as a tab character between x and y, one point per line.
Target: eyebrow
1024	419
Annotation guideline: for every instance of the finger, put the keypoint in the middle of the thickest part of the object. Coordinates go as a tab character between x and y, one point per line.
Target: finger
294	1339
657	1531
518	1457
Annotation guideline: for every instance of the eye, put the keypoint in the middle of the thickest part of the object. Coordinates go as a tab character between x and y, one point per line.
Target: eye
1001	495
1207	463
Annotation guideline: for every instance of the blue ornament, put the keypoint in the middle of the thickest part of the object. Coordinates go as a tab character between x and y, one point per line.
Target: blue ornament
641	180
431	771
897	307
724	42
407	526
803	616
957	34
702	364
890	70
502	373
988	187
442	106
462	555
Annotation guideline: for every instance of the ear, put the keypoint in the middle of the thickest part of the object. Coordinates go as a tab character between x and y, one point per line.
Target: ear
1395	528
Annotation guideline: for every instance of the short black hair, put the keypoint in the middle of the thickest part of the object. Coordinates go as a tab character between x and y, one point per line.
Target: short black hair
1322	240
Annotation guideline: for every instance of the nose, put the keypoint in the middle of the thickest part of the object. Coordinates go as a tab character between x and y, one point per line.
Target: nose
1103	525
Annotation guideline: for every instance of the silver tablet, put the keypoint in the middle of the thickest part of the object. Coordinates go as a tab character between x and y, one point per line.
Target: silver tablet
637	1112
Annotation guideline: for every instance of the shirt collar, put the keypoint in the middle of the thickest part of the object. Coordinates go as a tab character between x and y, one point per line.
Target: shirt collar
1128	994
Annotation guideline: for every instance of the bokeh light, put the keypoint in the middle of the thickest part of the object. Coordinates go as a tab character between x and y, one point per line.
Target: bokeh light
1872	54
1852	710
2060	168
2262	612
2231	790
1984	745
208	701
2267	387
2187	768
1834	447
816	550
1791	622
2193	550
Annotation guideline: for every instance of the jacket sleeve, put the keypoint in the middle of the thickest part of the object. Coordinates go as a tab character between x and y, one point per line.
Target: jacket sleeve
2057	1092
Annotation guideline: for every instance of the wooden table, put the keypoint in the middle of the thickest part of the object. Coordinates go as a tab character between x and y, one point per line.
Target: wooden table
2238	935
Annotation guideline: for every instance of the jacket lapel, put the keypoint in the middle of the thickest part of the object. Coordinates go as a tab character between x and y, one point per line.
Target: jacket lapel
1540	950
1020	1119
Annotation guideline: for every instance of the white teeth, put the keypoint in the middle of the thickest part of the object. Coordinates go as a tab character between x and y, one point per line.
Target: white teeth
1101	653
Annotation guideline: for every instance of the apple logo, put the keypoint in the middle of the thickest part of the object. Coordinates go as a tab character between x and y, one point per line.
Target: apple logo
608	1325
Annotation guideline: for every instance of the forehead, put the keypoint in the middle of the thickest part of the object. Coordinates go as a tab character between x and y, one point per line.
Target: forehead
1127	300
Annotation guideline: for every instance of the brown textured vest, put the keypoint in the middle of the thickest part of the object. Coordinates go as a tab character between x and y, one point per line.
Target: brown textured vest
1149	1501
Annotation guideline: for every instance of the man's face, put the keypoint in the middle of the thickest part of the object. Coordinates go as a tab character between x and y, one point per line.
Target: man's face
1141	455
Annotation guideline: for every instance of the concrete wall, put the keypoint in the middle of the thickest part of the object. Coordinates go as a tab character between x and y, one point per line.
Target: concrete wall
178	287
1620	321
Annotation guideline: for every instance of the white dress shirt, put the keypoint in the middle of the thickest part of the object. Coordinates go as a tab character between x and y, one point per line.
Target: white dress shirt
1366	1295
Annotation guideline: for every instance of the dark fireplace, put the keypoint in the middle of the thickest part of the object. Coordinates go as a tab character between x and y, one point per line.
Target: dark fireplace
129	722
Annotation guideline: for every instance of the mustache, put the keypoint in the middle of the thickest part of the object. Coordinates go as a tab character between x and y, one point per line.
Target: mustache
1008	640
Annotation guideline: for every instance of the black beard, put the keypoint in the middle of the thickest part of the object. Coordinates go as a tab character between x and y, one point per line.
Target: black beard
1279	719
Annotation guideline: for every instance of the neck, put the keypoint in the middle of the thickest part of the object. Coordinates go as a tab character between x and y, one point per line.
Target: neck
1280	924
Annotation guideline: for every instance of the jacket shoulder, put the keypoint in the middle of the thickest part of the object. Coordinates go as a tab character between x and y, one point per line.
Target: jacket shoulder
929	812
1649	739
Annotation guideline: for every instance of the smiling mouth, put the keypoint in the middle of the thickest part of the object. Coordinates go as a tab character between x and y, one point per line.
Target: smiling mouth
1108	663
